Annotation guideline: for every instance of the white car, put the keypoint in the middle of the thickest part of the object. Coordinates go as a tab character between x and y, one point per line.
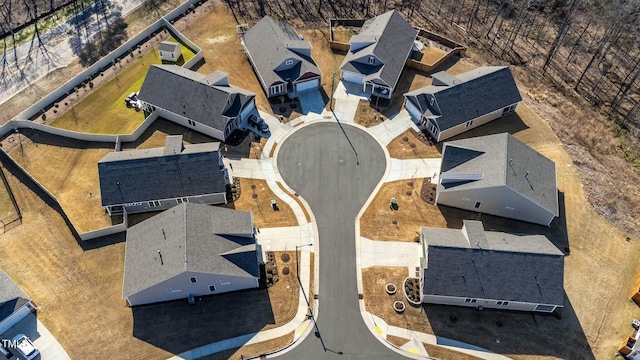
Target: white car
25	347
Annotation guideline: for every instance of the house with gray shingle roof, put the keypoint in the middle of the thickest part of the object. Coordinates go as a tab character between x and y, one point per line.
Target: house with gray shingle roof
498	175
377	54
190	249
207	104
280	58
156	179
169	51
452	105
486	269
15	305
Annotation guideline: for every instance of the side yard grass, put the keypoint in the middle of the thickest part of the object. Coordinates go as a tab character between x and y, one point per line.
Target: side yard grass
104	111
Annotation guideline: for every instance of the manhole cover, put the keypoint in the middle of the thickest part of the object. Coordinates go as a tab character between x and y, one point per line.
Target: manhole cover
285	271
285	257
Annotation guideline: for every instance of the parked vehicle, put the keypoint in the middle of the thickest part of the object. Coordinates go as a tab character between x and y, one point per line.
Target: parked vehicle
258	123
25	347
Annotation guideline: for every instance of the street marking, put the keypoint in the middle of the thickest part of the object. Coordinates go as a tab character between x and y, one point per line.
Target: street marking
379	330
414	351
303	328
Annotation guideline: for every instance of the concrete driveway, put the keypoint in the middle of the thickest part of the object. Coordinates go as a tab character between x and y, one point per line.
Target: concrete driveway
311	101
49	347
319	163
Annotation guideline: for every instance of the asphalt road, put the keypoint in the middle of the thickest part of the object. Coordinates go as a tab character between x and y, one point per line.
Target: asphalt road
320	165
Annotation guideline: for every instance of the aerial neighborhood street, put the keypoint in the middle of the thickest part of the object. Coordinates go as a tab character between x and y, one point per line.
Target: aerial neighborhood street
241	182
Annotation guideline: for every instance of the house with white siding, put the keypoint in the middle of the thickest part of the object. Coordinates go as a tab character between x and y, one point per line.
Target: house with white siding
159	178
498	175
207	104
190	249
452	105
281	58
482	269
377	54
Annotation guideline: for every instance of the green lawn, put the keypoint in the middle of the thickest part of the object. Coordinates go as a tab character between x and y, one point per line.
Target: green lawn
104	111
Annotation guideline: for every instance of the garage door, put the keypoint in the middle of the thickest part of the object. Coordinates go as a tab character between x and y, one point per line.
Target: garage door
13	319
307	85
413	110
352	77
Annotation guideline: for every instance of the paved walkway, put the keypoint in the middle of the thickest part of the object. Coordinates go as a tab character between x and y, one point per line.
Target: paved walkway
412	169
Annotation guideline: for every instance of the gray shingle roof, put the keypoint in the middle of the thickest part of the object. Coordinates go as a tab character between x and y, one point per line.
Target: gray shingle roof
192	95
492	265
169	46
392	38
470	95
270	43
504	161
11	296
190	237
159	173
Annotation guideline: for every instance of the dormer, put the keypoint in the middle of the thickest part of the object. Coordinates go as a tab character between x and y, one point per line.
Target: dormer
359	42
217	78
288	63
300	47
230	99
370	59
432	103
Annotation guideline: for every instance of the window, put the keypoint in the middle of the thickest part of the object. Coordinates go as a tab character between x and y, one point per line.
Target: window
181	200
503	303
288	62
212	288
192	123
477	205
276	89
432	100
468	123
154	203
372	60
172	55
229	100
193	279
470	300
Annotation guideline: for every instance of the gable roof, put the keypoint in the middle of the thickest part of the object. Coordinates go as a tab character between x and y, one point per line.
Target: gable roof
501	160
11	296
474	263
169	46
466	96
168	172
391	38
189	237
270	43
193	95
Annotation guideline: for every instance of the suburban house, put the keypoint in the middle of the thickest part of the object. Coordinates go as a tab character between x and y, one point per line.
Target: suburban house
485	269
203	103
15	305
190	249
630	347
377	54
280	58
454	104
169	51
159	178
498	175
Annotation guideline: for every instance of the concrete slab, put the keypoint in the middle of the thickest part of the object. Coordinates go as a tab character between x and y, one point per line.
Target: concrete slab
413	168
390	253
43	340
311	101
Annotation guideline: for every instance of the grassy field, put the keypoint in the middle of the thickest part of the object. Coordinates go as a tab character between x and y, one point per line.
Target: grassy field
187	52
104	111
255	196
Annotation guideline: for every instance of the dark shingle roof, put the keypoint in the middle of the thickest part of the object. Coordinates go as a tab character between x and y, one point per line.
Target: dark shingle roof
190	237
160	173
169	46
192	95
504	161
475	93
478	264
392	38
270	43
11	296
